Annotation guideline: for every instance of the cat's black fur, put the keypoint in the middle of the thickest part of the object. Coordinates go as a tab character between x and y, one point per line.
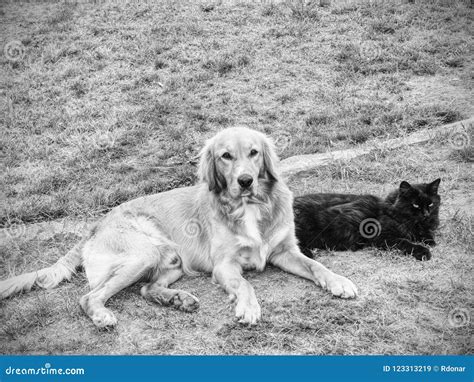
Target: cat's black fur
403	220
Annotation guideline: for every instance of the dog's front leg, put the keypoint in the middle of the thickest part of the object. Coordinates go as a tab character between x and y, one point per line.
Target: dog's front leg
229	275
291	260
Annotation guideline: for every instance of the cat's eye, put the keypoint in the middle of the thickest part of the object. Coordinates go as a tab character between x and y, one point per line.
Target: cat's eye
253	152
431	205
226	156
416	205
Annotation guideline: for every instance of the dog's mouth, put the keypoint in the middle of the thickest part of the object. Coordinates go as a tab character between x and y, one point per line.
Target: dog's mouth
245	193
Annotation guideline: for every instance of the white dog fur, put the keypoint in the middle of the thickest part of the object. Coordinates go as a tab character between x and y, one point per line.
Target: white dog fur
239	217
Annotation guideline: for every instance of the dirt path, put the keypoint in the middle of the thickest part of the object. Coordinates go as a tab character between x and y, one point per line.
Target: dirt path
288	167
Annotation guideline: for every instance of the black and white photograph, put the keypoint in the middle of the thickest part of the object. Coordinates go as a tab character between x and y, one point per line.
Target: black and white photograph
236	177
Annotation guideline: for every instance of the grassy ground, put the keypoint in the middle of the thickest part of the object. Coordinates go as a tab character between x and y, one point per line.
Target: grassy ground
88	126
107	101
405	306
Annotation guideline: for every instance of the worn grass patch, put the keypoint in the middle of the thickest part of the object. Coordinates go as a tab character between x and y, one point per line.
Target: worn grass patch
110	101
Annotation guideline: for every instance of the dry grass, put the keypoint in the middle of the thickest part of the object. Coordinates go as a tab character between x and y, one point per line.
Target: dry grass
113	100
88	124
404	305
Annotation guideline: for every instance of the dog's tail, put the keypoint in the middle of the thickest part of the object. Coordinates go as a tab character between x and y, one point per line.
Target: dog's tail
46	278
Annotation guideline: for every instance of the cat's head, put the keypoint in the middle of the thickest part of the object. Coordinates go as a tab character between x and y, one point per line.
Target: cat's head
422	200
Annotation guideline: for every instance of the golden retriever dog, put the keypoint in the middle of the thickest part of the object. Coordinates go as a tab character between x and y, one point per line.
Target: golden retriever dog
238	217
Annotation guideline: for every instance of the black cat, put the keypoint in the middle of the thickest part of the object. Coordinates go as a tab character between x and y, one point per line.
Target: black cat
406	217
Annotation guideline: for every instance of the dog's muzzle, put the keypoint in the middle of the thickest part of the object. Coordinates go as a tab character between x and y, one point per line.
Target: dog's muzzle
245	181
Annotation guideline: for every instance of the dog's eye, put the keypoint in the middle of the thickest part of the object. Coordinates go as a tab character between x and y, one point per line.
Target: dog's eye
416	205
226	156
253	152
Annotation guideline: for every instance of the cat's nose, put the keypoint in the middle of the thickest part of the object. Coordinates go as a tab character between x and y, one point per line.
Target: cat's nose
426	213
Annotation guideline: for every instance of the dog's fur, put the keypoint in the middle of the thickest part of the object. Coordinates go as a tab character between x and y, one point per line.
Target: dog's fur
217	226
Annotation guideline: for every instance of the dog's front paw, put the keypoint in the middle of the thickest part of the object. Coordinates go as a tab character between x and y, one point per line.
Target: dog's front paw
248	312
103	318
342	287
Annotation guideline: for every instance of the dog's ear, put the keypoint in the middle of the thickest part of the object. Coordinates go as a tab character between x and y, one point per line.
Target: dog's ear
270	160
207	170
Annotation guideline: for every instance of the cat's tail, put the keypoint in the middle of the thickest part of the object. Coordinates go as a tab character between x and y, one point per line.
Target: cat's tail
46	278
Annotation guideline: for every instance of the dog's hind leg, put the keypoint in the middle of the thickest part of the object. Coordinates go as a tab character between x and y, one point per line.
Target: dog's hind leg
119	277
159	292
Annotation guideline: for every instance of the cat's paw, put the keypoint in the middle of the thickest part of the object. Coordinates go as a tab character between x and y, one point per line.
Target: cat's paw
421	253
430	242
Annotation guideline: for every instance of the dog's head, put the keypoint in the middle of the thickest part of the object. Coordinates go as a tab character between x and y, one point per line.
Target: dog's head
236	160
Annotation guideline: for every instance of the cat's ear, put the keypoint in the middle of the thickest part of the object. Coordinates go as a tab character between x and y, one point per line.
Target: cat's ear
433	187
405	187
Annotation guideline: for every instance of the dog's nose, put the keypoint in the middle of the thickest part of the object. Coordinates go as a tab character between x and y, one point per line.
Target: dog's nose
245	181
